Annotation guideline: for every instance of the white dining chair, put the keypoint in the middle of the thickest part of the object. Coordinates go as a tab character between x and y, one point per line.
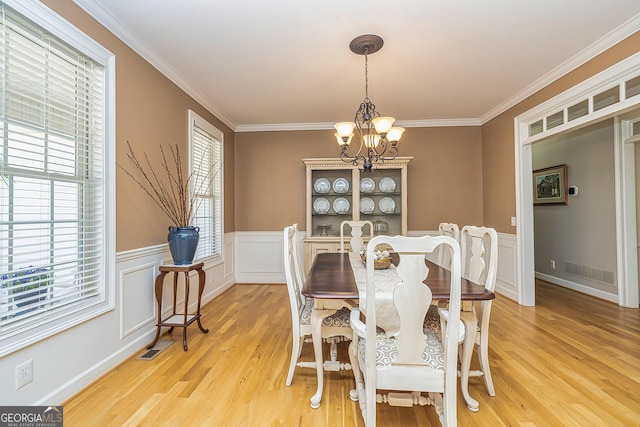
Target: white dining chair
416	359
447	229
335	328
481	266
355	241
479	252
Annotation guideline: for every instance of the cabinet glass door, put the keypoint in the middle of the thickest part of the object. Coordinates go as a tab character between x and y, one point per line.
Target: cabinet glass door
381	200
331	201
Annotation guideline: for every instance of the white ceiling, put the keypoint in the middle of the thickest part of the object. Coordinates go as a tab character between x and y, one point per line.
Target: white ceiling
286	64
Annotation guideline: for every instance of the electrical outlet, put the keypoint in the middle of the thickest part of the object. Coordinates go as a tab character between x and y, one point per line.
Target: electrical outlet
24	374
552	264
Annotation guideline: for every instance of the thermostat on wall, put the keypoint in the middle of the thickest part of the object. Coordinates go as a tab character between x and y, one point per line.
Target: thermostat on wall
573	190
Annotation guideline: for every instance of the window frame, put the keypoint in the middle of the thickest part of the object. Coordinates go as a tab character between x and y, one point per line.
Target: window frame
195	120
58	27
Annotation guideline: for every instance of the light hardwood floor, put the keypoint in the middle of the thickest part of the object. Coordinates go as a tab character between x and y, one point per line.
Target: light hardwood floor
571	360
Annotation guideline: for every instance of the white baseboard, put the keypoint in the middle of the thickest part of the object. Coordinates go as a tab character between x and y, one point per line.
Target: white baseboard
578	287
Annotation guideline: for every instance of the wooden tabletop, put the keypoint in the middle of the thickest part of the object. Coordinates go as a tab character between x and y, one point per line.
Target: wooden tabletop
331	277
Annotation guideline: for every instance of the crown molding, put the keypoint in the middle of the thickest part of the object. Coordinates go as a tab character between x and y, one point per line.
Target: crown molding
274	127
437	123
609	40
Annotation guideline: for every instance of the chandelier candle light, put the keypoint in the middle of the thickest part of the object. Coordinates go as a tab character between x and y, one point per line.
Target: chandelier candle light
378	136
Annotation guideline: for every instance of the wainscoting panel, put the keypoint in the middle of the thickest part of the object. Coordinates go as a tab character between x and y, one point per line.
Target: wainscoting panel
229	258
259	257
506	280
135	294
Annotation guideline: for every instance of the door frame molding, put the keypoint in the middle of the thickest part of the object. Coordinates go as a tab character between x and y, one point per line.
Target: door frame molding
525	136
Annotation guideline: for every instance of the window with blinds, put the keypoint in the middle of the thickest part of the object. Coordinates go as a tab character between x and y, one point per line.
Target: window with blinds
52	115
206	169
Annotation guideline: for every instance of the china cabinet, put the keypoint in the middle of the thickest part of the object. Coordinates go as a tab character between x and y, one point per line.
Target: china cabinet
338	191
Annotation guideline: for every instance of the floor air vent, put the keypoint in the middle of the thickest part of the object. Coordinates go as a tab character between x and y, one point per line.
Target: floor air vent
152	353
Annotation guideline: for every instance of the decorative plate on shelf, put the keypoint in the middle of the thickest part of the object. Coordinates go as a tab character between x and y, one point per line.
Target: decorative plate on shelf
321	205
322	185
341	205
387	184
387	205
367	185
340	185
367	205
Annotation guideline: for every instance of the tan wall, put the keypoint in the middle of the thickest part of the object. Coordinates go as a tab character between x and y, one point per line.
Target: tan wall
444	178
150	110
498	137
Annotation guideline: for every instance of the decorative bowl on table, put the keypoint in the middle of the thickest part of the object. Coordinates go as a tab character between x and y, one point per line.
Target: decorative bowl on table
381	262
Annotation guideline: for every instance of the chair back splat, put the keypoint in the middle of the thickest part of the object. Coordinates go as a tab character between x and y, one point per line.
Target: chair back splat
451	230
356	241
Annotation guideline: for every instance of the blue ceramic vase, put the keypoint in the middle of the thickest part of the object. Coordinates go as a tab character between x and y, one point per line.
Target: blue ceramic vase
183	242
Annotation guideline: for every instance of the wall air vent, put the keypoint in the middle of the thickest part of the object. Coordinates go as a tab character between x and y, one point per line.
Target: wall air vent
591	273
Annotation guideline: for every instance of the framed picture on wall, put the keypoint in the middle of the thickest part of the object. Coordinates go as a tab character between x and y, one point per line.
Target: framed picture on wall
550	186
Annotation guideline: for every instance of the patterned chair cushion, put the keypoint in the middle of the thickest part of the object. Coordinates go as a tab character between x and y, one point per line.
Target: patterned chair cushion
339	319
386	350
432	321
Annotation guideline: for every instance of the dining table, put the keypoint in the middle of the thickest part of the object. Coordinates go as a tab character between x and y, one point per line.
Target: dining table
335	280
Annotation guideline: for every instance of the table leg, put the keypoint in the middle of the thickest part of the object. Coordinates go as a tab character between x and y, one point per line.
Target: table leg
158	292
186	310
470	321
317	316
201	283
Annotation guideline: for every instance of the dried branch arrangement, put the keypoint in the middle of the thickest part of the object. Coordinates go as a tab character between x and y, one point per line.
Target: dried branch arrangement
174	194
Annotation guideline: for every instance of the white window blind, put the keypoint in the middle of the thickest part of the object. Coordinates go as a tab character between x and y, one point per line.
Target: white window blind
52	108
206	167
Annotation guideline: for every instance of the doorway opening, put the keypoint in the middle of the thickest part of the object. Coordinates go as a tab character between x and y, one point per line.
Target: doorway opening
613	93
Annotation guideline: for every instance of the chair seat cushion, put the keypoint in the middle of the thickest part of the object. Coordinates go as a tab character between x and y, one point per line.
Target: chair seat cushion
386	350
432	321
339	319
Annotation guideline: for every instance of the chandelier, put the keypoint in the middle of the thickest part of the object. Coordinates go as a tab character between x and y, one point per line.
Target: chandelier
377	135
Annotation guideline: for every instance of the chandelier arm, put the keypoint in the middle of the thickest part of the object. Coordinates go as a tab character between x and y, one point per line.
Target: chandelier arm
393	153
344	155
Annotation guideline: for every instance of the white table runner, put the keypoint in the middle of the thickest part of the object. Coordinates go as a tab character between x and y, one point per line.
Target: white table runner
386	280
